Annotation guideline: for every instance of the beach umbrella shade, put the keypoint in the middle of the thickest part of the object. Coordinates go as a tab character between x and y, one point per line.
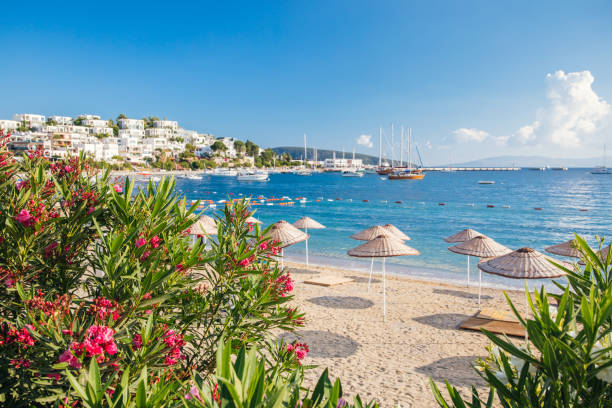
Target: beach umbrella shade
524	263
205	225
305	223
285	235
564	249
602	253
369	234
383	246
481	247
252	220
395	231
462	236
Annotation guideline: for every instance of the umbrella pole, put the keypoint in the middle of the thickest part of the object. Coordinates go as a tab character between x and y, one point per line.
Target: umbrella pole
479	286
384	291
526	309
468	271
282	259
306	247
370	278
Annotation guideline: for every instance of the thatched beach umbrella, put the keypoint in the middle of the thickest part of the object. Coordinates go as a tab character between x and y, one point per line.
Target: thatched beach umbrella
204	226
393	229
285	234
305	223
252	220
369	234
567	248
462	236
524	263
381	247
481	247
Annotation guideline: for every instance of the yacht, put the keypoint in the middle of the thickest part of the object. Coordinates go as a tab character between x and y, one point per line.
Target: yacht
602	169
352	173
193	177
253	176
409	173
225	172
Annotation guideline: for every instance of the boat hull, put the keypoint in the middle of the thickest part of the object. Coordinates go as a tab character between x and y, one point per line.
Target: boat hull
412	176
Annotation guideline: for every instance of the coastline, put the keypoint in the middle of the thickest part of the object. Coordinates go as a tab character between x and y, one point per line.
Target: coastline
392	361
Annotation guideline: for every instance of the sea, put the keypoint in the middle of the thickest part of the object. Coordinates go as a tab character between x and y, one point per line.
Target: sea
521	209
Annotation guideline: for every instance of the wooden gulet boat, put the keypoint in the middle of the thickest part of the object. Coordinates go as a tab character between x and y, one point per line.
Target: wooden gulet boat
409	173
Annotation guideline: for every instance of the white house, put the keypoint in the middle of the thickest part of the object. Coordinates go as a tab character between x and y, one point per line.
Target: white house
30	119
61	120
158	132
90	117
342	163
166	124
127	123
8	125
95	122
132	132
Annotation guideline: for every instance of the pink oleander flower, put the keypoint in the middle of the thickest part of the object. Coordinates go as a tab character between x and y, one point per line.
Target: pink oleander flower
244	262
24	218
67	356
155	241
137	341
118	189
20	184
91	210
99	340
145	255
140	242
180	267
193	393
68	169
263	246
54	376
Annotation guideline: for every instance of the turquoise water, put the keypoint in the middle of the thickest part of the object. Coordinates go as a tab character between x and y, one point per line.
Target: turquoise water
512	221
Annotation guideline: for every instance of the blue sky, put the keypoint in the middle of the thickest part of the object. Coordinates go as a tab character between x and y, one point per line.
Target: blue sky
472	78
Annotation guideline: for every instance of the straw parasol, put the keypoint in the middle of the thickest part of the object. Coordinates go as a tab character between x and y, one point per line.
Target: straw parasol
305	223
524	263
369	234
252	220
567	248
481	247
383	246
204	226
395	231
285	234
602	253
462	236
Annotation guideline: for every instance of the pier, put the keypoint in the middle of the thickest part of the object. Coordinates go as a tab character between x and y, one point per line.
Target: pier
471	169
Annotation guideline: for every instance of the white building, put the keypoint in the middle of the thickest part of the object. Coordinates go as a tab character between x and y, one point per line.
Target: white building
139	133
166	124
90	117
30	119
95	122
9	125
158	132
342	163
229	143
127	123
199	139
61	120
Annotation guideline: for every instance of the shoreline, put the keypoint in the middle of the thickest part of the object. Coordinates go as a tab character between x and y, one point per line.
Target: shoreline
392	360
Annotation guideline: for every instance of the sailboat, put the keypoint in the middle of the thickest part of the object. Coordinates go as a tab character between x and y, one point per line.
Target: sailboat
409	173
602	169
352	172
304	171
382	170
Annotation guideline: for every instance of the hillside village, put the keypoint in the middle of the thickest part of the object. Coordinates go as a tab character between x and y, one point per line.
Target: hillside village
125	143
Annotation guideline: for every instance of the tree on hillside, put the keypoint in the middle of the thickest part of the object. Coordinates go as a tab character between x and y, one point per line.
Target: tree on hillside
218	146
239	146
121	116
148	122
251	149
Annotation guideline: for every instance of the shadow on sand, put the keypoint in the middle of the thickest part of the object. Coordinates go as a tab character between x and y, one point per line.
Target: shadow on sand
460	293
323	343
443	321
459	368
342	302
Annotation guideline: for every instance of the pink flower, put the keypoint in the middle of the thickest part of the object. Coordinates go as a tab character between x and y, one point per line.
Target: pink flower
193	393
118	189
137	342
20	184
263	246
50	249
24	218
67	169
244	262
180	267
140	242
155	241
67	356
54	376
145	255
90	210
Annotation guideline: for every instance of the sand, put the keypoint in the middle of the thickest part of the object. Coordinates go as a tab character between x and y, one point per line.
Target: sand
393	360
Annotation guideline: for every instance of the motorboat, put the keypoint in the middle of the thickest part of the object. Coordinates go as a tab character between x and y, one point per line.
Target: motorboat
225	172
486	182
193	177
303	172
352	173
253	176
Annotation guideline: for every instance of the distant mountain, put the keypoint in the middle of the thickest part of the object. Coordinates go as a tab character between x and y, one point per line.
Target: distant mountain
529	161
297	153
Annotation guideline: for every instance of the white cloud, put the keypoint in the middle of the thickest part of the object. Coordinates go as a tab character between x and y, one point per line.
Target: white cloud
527	134
428	145
575	110
470	135
365	140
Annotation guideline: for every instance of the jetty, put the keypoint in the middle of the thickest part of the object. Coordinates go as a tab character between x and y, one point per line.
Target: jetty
471	169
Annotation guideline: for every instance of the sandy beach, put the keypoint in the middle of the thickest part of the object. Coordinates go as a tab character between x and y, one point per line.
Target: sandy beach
393	360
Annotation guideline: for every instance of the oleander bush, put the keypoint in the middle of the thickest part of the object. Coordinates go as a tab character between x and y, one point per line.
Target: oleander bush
568	360
106	300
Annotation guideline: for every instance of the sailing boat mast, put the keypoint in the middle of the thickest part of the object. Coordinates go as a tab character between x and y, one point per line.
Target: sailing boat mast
380	146
409	155
402	147
392	148
305	154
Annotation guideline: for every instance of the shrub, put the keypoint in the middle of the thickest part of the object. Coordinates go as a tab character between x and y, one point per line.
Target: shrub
102	285
568	361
